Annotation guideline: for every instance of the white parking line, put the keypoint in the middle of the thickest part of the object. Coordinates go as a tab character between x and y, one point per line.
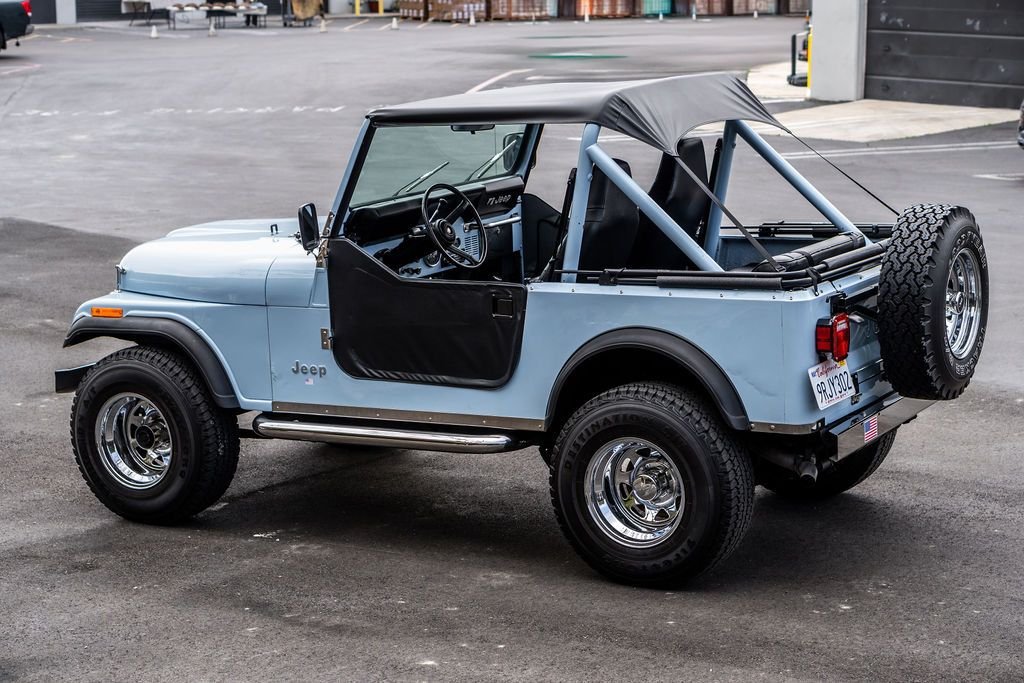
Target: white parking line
164	111
492	81
865	151
18	69
171	35
903	149
352	26
1005	177
615	137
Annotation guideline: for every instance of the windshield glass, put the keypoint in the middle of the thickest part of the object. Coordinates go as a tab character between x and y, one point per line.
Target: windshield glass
406	160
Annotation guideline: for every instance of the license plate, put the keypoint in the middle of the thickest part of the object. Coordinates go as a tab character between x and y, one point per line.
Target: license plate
831	383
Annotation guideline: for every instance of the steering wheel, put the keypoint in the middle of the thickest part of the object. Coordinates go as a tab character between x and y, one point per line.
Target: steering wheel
441	228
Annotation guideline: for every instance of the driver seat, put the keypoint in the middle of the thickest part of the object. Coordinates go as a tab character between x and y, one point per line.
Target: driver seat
683	200
610	224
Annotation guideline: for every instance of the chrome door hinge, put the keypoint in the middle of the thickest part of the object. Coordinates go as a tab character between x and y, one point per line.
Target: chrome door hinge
325	338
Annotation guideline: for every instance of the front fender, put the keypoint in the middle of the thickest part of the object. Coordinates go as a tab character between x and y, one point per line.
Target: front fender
165	333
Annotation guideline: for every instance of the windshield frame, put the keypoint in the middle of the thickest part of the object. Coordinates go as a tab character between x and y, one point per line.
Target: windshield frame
343	206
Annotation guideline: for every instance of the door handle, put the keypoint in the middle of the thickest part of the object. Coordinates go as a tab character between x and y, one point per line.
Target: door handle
502	307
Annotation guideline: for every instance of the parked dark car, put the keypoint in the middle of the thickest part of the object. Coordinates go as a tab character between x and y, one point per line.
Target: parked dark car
15	21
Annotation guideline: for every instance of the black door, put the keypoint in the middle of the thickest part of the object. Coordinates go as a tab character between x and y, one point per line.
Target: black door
450	332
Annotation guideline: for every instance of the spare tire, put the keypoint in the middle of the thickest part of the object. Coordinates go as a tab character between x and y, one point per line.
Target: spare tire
933	301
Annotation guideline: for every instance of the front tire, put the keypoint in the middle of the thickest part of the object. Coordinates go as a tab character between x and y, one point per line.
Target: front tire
648	485
148	439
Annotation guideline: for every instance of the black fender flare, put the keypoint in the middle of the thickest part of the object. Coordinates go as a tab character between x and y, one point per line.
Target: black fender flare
689	357
163	332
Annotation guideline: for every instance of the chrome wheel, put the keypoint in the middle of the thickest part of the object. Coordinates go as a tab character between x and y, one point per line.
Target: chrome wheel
634	493
134	441
963	303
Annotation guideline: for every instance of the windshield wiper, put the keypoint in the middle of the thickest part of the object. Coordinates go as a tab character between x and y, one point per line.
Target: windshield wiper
480	170
409	186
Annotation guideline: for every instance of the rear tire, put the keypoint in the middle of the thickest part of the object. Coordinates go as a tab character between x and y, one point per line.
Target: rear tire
649	486
933	302
842	476
148	439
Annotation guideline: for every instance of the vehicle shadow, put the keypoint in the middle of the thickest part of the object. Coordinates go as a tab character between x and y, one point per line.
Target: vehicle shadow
405	499
9	58
499	506
846	538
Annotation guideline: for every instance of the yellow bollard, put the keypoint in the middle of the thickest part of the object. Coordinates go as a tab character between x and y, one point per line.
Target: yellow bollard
356	4
380	8
810	37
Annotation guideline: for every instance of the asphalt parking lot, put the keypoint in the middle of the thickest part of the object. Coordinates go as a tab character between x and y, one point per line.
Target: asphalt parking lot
337	564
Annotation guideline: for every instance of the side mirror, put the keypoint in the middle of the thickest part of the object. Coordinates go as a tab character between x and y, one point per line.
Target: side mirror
511	144
309	227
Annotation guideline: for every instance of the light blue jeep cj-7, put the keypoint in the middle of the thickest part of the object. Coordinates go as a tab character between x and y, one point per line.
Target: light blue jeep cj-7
662	364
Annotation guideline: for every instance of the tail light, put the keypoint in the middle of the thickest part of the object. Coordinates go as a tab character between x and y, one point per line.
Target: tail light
832	336
27	6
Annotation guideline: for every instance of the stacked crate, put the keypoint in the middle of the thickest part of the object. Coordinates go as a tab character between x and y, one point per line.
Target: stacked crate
748	6
652	7
711	6
442	10
410	9
522	9
604	8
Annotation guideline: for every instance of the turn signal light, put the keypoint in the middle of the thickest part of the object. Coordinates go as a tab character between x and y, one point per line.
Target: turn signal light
102	312
832	337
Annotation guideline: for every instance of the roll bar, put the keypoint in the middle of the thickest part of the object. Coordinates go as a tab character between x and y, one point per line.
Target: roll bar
591	154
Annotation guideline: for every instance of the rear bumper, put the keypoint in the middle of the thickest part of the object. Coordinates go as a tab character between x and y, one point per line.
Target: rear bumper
869	425
15	31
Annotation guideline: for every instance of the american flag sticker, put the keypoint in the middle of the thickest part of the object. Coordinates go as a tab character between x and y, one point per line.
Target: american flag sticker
871	428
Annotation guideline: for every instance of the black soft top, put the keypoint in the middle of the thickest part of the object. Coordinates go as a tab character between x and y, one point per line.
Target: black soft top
657	111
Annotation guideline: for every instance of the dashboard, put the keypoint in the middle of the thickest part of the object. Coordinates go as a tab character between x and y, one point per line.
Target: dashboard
384	229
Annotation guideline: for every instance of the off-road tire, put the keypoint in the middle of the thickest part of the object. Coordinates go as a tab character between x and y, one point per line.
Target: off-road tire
717	475
205	439
839	477
912	302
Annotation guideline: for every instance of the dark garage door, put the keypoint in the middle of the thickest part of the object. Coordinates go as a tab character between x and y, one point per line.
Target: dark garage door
968	52
97	10
44	12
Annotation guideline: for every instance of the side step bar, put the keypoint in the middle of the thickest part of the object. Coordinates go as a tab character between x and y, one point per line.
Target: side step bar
359	435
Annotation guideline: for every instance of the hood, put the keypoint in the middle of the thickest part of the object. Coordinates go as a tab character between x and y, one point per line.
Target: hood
221	262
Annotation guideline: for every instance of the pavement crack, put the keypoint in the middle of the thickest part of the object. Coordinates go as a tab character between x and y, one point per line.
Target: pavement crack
14	93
